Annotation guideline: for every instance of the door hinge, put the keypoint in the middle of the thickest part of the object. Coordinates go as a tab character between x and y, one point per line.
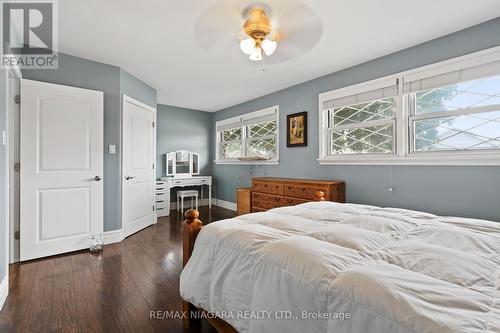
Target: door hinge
153	208
17	99
17	234
153	124
17	167
153	166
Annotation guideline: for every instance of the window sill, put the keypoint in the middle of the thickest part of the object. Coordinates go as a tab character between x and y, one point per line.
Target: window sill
238	162
427	159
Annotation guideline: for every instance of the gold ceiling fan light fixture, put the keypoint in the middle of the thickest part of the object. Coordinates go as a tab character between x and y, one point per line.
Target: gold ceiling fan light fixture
258	27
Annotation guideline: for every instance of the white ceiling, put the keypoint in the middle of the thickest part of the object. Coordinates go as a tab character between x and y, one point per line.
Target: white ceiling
155	41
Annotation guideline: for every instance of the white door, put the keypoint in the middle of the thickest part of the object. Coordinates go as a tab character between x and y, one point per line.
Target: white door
61	168
138	168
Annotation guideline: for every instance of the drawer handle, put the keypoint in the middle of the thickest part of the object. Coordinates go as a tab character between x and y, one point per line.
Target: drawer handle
277	199
265	185
159	200
177	182
303	189
159	188
159	208
160	193
289	188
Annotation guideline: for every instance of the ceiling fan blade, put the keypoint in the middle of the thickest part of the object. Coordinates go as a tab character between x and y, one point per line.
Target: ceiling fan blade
216	29
300	29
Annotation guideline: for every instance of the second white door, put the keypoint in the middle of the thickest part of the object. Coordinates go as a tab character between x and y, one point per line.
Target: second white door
138	166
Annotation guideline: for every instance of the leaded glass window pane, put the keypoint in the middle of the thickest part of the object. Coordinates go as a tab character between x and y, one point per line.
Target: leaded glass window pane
373	140
363	112
461	132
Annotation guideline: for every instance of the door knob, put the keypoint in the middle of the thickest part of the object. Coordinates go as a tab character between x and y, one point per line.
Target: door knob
129	177
97	178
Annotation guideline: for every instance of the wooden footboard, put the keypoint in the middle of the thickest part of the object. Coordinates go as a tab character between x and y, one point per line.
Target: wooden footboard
191	228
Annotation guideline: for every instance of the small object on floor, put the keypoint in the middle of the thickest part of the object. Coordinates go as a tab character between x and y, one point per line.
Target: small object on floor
96	244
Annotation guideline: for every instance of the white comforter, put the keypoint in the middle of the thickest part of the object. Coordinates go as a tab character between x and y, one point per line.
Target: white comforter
388	270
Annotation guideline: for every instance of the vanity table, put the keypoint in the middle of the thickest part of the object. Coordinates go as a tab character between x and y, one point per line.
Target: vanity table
165	184
182	171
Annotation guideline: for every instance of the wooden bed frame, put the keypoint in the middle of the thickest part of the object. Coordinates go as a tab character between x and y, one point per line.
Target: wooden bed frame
191	228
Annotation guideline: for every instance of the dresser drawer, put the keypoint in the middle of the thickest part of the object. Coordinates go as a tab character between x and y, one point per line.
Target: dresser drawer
161	190
266	201
161	211
161	202
267	187
305	192
287	201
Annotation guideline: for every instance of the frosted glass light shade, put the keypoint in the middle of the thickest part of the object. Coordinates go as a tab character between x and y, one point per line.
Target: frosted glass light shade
256	54
269	46
247	45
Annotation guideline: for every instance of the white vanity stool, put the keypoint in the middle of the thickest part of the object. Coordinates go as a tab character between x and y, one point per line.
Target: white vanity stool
186	194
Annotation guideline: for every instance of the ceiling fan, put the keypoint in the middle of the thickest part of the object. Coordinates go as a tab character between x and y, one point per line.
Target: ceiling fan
275	31
258	28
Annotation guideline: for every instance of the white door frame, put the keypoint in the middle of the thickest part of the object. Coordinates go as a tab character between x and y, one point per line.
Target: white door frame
4	290
12	150
125	99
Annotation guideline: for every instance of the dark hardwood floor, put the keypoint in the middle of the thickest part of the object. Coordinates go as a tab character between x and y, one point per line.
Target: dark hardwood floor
111	292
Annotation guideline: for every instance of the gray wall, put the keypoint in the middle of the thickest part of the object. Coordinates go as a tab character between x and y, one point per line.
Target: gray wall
135	88
187	129
460	191
83	73
3	185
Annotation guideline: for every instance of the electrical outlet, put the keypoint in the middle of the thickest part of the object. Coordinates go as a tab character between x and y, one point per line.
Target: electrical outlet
112	149
4	138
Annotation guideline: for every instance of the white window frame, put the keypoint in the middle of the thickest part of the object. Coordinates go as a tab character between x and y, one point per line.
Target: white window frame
404	154
354	90
247	116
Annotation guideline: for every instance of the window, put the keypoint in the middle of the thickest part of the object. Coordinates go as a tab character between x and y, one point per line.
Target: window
364	122
250	138
448	113
464	116
231	143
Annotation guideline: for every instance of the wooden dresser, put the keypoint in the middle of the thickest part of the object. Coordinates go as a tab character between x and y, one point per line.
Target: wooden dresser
270	192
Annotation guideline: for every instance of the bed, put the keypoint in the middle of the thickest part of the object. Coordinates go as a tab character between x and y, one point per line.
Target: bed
343	268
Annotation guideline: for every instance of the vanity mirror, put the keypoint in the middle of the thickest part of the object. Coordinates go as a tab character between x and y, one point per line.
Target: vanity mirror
182	163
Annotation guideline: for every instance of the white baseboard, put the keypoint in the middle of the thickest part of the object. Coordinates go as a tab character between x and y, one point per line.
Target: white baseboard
225	204
113	236
4	291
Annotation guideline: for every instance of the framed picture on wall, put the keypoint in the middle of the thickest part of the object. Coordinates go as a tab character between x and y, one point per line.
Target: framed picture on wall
296	130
